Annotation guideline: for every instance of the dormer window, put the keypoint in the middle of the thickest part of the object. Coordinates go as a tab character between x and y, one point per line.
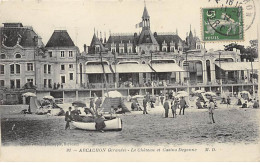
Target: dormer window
70	54
50	53
97	49
3	56
18	55
62	54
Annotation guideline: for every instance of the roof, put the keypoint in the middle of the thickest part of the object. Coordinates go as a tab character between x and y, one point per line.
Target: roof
231	66
11	35
146	36
119	38
93	69
60	38
168	39
132	68
145	14
166	67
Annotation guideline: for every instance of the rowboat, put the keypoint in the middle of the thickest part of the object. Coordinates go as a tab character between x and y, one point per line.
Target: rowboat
113	124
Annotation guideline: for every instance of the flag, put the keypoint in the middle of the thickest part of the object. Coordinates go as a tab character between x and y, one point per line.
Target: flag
139	25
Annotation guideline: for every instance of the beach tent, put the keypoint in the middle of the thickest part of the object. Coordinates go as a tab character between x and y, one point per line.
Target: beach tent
113	102
245	95
34	105
113	94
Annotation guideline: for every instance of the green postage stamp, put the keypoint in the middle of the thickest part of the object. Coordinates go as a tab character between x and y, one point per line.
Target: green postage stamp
222	24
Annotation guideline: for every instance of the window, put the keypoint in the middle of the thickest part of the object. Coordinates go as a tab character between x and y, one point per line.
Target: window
12	69
49	82
164	49
71	66
121	50
2	83
3	56
129	50
2	69
62	67
18	56
50	53
12	84
62	54
49	69
62	79
29	66
17	68
30	80
18	83
45	83
113	50
97	48
70	54
45	68
71	76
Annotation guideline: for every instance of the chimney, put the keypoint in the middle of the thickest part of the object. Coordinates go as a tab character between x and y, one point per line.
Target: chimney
85	47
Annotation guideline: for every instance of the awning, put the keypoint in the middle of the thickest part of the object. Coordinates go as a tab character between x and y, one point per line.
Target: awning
232	66
132	68
168	67
93	69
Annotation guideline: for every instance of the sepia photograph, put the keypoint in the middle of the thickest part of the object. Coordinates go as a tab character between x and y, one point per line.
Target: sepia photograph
129	80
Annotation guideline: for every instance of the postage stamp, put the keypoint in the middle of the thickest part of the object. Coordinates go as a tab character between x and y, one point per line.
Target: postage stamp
222	24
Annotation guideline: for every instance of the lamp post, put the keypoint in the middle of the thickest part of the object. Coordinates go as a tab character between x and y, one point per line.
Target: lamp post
220	74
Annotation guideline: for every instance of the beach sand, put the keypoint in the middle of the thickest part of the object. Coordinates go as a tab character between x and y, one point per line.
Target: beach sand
233	125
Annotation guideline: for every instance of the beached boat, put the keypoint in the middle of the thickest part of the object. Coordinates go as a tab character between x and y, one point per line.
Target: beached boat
114	124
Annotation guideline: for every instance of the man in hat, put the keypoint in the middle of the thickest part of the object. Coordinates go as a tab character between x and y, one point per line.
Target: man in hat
145	106
68	118
182	105
166	108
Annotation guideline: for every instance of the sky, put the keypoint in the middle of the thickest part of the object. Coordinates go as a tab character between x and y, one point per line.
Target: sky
81	17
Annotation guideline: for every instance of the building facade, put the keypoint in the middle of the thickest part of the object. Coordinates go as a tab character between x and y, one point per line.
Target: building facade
131	63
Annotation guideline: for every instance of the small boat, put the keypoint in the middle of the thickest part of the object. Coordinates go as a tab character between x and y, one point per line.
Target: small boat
113	124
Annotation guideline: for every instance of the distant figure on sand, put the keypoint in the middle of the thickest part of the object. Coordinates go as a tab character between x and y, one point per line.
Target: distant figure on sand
211	109
174	105
68	118
161	98
183	105
145	106
228	101
166	108
256	104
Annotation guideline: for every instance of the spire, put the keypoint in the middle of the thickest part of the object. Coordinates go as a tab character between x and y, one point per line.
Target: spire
145	13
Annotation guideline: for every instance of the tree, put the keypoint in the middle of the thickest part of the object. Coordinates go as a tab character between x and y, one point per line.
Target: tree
248	53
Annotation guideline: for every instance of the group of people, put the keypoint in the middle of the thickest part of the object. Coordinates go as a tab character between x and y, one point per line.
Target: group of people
174	104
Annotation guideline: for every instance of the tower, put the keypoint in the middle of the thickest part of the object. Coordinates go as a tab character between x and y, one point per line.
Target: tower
146	19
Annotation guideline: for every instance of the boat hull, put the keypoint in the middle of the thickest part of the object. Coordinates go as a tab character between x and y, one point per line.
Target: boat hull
114	124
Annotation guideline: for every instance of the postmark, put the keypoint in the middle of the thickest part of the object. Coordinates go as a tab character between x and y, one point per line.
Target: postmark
249	9
222	24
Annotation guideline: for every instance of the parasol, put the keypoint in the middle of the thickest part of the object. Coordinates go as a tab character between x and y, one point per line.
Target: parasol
114	94
28	94
79	104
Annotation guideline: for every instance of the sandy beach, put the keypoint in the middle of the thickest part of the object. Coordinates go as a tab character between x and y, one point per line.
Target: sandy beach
233	125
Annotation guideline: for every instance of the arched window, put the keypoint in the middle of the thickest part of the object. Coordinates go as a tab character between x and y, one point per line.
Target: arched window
18	55
3	56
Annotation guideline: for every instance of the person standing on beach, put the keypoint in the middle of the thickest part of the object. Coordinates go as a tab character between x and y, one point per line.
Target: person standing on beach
166	108
174	105
228	101
98	103
145	106
162	98
211	109
68	118
91	104
183	105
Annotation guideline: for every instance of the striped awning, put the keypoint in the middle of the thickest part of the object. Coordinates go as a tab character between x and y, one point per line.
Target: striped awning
94	69
166	67
232	66
131	68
